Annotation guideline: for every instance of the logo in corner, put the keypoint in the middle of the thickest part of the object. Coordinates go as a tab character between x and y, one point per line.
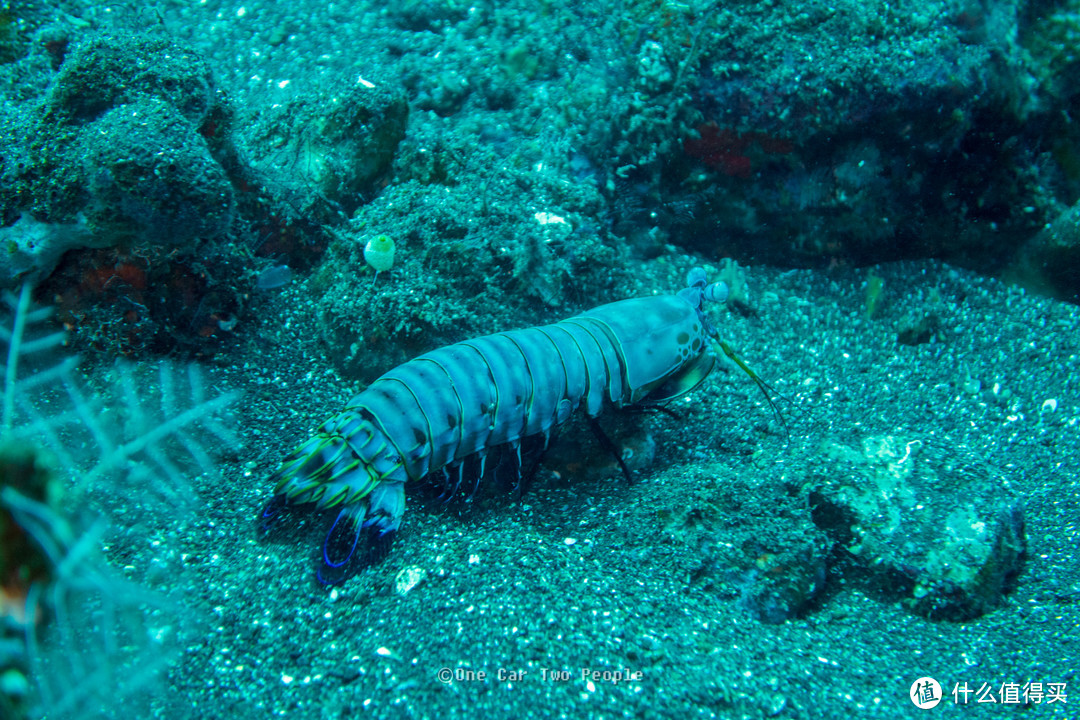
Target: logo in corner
925	693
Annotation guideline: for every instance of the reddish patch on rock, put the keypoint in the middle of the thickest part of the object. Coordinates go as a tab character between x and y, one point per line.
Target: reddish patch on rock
729	152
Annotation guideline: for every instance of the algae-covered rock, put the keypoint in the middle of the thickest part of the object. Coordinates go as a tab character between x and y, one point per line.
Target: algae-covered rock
108	71
942	535
335	145
151	177
519	245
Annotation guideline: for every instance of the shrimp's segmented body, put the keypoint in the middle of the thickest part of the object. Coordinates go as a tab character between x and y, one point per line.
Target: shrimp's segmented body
445	412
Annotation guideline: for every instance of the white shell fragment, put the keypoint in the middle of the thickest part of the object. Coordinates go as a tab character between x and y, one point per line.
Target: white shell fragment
409	578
